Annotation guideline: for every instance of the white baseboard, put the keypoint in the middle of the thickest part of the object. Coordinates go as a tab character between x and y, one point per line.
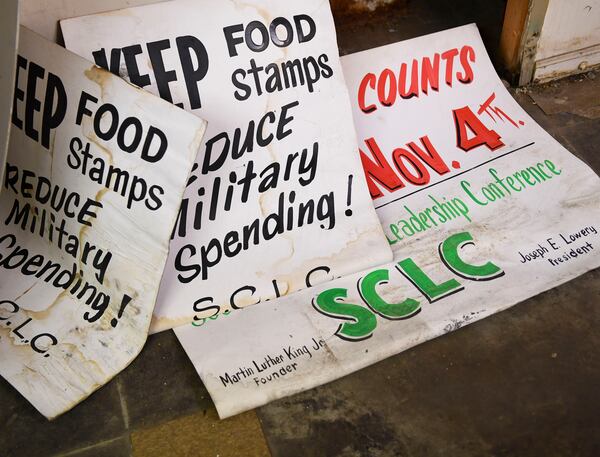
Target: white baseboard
566	64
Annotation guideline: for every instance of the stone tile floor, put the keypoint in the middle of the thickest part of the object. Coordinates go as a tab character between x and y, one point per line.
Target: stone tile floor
524	382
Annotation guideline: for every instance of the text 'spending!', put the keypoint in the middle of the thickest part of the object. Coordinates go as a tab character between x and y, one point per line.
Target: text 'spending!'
277	200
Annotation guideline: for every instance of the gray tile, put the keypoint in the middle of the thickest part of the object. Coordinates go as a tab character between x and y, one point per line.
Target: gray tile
579	94
552	124
583	140
119	447
161	384
332	420
25	432
522	382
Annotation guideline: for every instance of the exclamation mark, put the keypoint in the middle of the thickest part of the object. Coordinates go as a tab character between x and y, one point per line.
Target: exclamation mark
349	197
124	303
192	177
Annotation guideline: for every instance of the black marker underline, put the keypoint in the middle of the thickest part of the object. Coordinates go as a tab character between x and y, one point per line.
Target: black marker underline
456	175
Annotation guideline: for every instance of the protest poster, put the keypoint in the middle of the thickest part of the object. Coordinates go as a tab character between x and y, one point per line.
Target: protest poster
481	206
277	200
9	25
87	211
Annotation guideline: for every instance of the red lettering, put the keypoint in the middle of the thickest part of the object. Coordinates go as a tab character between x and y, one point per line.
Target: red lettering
430	74
414	80
430	155
413	164
448	57
467	55
368	81
386	87
378	171
423	76
490	110
401	156
465	118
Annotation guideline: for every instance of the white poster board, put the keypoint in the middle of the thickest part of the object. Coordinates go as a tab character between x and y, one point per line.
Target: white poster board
277	200
9	35
87	211
483	209
43	17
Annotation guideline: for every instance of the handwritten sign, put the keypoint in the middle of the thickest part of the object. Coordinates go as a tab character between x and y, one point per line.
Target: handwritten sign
482	208
277	200
87	211
9	24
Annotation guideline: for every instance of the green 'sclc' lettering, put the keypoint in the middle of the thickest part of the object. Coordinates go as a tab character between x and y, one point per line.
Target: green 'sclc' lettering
361	321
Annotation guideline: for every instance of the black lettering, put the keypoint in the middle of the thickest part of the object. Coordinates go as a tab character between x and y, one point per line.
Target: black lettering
185	46
163	77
